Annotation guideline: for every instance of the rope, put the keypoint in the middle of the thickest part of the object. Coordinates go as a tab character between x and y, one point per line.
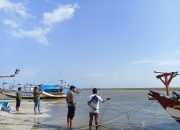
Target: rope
176	106
123	115
125	125
143	123
128	113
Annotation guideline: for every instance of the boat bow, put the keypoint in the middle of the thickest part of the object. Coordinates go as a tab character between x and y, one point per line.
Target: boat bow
170	103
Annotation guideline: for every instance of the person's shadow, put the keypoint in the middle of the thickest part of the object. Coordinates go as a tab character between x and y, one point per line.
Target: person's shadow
37	125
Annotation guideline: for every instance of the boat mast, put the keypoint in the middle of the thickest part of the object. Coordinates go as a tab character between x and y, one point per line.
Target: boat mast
166	78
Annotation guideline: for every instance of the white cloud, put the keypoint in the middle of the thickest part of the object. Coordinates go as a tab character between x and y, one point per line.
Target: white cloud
59	15
159	62
11	23
145	62
20	18
95	75
169	63
17	8
37	33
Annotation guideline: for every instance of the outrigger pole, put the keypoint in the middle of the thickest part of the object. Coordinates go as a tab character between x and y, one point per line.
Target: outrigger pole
13	75
166	78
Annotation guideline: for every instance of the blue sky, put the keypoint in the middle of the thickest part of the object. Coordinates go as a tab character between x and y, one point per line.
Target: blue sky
90	43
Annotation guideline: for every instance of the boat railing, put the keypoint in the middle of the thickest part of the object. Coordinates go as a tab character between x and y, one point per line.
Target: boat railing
12	75
175	95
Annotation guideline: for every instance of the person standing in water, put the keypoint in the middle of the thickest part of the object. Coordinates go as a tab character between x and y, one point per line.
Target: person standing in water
93	103
18	99
36	94
71	103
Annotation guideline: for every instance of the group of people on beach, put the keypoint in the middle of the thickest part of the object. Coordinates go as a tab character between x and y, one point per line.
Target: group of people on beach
36	95
93	103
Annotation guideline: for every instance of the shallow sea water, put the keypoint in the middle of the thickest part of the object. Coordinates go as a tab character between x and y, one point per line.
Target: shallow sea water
127	110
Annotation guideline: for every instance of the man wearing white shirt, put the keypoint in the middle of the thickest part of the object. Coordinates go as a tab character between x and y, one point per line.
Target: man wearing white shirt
93	103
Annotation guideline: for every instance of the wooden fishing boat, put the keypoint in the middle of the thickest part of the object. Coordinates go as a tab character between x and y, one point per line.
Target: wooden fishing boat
48	91
170	103
29	95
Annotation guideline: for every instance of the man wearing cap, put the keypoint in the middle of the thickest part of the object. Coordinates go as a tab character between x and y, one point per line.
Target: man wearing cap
70	99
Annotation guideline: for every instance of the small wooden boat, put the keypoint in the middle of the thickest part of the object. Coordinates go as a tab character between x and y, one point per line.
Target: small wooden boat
48	91
29	95
170	103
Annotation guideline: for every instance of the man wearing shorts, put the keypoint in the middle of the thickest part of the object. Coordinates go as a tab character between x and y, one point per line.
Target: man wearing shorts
93	103
18	99
70	99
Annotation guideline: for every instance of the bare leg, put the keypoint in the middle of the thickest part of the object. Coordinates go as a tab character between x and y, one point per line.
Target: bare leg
17	108
90	120
68	122
96	120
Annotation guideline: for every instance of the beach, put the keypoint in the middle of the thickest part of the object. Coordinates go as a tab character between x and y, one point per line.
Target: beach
24	119
127	110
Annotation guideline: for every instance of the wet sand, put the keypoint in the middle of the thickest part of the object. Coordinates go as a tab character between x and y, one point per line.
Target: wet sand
25	118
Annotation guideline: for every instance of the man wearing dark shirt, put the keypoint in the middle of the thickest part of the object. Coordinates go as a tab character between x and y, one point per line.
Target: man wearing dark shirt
36	94
18	99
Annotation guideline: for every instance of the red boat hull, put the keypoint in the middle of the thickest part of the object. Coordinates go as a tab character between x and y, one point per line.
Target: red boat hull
171	105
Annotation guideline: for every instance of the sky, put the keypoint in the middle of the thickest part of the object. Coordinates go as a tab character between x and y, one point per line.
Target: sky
90	43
